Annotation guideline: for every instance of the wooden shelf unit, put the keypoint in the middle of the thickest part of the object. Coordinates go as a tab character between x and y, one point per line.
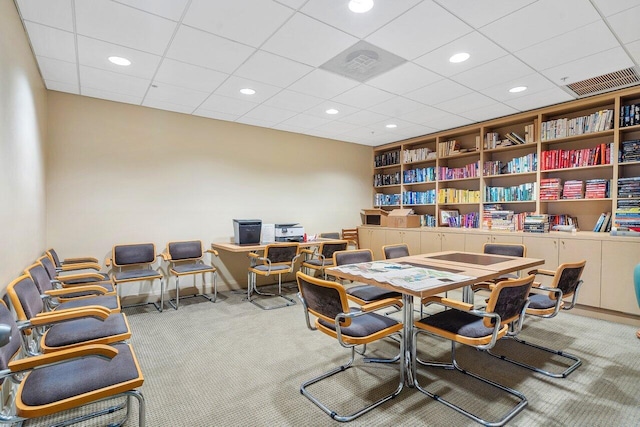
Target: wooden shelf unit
471	143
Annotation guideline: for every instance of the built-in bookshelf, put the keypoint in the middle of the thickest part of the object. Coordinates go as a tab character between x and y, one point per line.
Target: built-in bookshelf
572	162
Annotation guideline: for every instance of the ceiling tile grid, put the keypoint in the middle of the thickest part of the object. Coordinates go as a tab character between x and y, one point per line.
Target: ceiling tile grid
194	57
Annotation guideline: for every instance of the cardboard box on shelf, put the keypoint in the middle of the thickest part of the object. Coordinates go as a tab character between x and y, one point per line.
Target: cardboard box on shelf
403	218
374	217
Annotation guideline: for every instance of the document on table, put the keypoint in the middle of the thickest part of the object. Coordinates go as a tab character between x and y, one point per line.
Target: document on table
403	275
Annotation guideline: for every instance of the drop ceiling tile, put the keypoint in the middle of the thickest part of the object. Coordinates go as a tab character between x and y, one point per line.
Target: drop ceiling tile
490	74
290	128
404	78
336	127
418	31
590	66
224	104
489	112
123	25
584	41
189	76
309	41
608	7
425	115
170	9
540	99
337	14
371	136
634	50
481	49
176	95
293	101
273	69
440	91
95	53
533	82
323	84
51	42
470	101
59	71
112	82
111	96
247	21
625	24
168	106
449	122
206	50
231	88
320	110
305	121
54	13
404	129
62	87
271	114
255	122
522	28
364	118
294	4
479	14
363	96
397	106
216	115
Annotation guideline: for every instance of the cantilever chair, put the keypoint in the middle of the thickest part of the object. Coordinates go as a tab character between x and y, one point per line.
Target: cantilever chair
462	323
67	379
321	257
278	258
185	258
364	294
47	331
395	251
76	279
546	302
328	303
351	236
72	264
134	263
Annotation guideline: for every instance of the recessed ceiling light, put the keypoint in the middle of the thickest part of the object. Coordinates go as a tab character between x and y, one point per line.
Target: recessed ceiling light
459	57
360	6
517	89
332	111
247	91
391	126
120	61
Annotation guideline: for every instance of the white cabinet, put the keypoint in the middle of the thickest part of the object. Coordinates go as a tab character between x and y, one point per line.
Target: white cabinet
372	238
438	240
410	237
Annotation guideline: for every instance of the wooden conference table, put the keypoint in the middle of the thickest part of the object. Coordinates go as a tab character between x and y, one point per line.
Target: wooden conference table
430	274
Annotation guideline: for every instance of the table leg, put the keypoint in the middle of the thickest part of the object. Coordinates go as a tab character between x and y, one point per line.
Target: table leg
407	336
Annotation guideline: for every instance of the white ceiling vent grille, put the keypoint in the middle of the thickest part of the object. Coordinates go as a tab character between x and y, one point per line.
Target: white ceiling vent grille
605	82
362	62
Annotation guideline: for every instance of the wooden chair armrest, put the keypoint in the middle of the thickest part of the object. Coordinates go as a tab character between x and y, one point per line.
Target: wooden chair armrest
482	286
77	260
253	255
307	251
75	276
377	305
95	311
165	256
542	272
448	302
212	251
107	262
94	289
29	363
81	266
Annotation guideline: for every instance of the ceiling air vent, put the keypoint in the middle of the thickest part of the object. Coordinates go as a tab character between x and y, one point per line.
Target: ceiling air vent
605	82
363	61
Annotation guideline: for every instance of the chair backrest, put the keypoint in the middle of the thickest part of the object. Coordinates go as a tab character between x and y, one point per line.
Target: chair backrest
281	253
351	234
328	248
132	254
9	350
334	235
48	266
322	298
395	251
54	257
567	278
40	277
185	250
25	298
507	249
352	257
508	299
636	283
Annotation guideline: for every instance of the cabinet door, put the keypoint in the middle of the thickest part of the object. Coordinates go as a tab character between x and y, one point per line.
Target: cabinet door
364	238
393	237
573	250
506	238
475	242
618	262
430	241
412	239
452	241
545	248
378	240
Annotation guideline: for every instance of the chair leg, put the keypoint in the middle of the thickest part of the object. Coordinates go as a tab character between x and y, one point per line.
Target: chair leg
454	365
575	365
333	414
254	288
112	409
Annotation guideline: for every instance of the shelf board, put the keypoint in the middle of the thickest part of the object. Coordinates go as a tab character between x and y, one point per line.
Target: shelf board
397	165
420	204
629	163
577	168
510	175
608	199
459	203
509	202
419	183
629	128
511	147
420	161
459	155
387	186
458	179
572	138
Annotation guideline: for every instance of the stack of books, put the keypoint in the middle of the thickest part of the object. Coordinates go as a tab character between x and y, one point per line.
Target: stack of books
563	222
596	189
603	225
470	220
495	218
628	217
573	189
428	220
630	115
537	223
628	187
550	188
630	151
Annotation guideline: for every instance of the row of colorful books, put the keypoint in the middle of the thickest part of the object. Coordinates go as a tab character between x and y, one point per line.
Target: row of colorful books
466	171
419	197
469	220
560	128
455	195
603	224
418	155
381	199
630	115
516	193
387	159
528	163
630	151
562	159
629	187
419	175
386	179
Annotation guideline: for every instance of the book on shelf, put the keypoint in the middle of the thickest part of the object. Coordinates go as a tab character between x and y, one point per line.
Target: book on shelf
630	115
604	223
536	223
573	189
630	151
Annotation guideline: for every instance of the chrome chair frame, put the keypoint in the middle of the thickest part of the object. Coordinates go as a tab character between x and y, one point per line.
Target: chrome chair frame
275	267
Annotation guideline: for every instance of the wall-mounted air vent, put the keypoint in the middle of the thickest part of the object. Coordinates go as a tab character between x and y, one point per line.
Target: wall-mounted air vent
605	82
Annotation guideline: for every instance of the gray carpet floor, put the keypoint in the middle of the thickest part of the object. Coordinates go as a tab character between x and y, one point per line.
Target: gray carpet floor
230	363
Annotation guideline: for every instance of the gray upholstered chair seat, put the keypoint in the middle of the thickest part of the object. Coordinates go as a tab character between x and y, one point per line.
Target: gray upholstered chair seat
541	301
105	277
108	287
58	382
108	301
274	268
319	262
144	273
86	329
458	322
371	293
191	268
362	326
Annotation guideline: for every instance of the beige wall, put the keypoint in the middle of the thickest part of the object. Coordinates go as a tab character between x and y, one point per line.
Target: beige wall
23	116
118	173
